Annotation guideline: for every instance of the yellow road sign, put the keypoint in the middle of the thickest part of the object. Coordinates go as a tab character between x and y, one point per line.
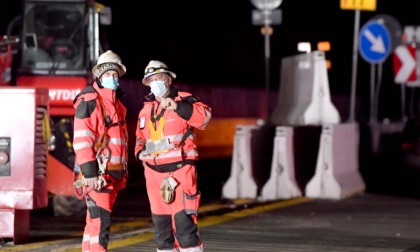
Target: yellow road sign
367	5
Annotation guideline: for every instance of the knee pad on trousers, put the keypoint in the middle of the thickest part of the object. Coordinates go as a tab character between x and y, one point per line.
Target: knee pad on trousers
104	216
186	230
92	208
163	231
105	228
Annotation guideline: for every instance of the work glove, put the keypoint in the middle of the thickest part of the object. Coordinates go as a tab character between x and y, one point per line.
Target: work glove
167	189
92	182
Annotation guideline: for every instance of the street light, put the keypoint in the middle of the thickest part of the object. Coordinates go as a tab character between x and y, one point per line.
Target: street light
266	4
304	47
271	16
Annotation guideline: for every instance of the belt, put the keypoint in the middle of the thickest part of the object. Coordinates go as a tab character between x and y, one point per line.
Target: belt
116	167
171	166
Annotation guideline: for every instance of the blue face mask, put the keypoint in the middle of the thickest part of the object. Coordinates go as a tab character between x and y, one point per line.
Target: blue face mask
158	88
110	82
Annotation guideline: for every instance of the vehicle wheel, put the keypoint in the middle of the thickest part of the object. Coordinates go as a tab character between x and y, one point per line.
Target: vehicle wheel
65	205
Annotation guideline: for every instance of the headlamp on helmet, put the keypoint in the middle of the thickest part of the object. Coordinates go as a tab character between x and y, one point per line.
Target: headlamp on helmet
155	67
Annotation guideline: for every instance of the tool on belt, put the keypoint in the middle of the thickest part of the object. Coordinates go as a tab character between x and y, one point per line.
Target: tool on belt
167	189
102	156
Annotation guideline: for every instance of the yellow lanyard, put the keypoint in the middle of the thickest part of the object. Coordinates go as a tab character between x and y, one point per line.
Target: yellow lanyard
156	134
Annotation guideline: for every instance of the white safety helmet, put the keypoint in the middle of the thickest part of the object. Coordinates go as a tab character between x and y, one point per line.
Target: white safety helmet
155	67
108	61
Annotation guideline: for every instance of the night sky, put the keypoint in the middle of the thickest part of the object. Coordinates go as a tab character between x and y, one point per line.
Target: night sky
215	43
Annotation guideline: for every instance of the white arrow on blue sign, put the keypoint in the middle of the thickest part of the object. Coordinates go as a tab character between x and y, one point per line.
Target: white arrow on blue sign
374	42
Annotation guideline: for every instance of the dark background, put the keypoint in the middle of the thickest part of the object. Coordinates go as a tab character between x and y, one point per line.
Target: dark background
214	43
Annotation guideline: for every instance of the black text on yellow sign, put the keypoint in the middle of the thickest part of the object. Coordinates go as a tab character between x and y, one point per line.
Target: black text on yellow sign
366	5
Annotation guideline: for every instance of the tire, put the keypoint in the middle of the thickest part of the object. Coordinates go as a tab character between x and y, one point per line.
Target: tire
65	205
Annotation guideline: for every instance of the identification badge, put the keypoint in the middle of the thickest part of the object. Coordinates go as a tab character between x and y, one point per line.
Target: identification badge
142	122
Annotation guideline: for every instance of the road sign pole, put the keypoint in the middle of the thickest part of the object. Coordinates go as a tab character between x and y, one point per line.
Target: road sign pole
403	114
271	16
357	6
372	93
411	108
267	62
378	90
354	70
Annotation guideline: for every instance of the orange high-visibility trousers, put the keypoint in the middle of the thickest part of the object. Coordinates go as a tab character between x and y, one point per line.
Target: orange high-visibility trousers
175	223
98	218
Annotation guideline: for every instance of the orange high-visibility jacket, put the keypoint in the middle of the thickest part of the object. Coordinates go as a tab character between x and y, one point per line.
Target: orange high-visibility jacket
89	124
190	112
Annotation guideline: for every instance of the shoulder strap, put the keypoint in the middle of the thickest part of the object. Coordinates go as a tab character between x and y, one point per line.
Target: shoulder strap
108	123
102	138
186	135
103	110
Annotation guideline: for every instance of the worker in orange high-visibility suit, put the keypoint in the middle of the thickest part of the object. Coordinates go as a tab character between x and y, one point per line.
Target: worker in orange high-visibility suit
100	143
168	151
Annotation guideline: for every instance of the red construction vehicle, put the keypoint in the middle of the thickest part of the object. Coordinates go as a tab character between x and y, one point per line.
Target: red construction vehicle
57	45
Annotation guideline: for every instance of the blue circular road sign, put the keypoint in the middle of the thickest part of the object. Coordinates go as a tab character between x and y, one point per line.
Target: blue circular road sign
374	42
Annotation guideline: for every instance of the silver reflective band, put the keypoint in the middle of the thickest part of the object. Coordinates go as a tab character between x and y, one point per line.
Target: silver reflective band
158	146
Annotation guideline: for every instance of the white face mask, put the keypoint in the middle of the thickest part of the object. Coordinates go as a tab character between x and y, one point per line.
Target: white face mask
158	88
110	82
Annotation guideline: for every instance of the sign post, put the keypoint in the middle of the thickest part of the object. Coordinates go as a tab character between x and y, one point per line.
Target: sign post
356	5
374	47
266	15
405	70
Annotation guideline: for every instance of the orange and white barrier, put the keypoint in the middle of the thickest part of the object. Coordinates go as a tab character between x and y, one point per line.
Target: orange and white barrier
241	183
282	183
337	173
